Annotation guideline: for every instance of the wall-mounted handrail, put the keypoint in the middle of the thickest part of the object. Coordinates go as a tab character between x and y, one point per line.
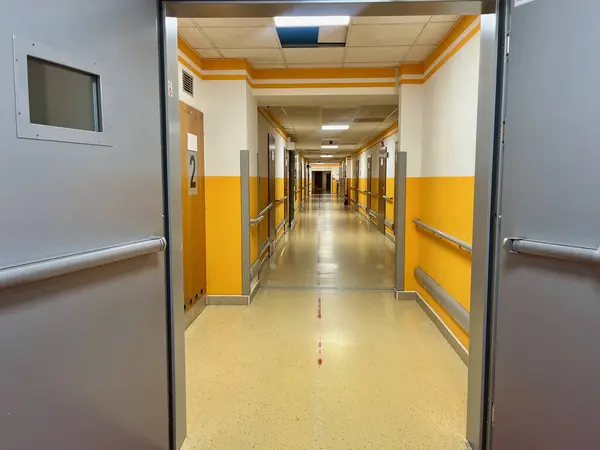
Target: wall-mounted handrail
257	220
362	206
374	214
551	250
264	246
264	211
461	244
362	191
63	265
280	225
389	223
282	199
455	309
388	199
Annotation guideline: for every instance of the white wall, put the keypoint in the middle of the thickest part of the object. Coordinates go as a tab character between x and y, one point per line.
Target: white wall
264	129
390	145
450	115
410	128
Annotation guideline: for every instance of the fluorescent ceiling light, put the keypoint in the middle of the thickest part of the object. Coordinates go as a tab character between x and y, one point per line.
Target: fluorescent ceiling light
326	156
329	146
335	127
311	21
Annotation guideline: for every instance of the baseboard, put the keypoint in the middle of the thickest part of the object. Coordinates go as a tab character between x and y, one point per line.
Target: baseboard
192	313
254	292
405	295
234	300
460	350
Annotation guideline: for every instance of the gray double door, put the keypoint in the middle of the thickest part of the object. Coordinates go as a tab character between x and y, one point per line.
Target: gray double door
546	384
83	355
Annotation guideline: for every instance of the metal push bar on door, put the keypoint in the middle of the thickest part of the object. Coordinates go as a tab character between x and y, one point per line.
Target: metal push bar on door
550	250
462	244
63	265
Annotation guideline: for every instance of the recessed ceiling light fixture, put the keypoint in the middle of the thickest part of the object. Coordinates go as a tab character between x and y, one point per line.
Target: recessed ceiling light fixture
329	146
326	156
311	21
335	127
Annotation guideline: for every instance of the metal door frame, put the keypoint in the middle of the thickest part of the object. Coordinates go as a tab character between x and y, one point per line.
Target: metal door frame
493	38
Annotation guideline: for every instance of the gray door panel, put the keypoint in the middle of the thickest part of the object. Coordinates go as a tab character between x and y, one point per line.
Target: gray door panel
84	356
547	366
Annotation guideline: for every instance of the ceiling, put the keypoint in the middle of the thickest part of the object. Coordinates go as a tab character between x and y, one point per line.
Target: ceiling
303	123
369	41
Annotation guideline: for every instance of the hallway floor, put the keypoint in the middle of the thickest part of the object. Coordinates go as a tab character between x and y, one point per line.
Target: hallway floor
307	366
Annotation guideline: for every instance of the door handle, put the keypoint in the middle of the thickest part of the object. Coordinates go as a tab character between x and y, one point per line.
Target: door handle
517	245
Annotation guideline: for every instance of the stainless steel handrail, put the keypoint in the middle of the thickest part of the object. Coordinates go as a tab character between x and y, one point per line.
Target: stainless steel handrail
282	199
63	265
264	211
389	199
264	246
550	250
257	220
374	214
455	309
461	244
280	225
362	206
389	223
374	194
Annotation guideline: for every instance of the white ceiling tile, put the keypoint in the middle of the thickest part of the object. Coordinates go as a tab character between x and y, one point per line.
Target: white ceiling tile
384	35
209	53
418	53
445	18
235	22
332	34
314	55
390	19
372	64
186	23
255	55
375	54
301	66
243	37
194	37
434	33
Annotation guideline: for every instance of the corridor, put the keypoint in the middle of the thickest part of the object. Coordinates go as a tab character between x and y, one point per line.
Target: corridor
325	357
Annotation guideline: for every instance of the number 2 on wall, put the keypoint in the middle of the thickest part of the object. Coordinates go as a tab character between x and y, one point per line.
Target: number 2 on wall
193	176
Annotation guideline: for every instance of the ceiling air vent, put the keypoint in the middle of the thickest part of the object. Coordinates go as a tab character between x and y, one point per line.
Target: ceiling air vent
188	83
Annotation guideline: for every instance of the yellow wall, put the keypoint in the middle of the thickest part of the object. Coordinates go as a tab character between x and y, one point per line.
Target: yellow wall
280	207
253	213
447	204
223	236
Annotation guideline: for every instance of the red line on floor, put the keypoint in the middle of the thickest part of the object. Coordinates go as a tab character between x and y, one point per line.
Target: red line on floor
320	352
319	307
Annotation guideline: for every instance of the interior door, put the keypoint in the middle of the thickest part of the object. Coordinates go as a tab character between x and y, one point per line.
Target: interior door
286	183
369	181
356	182
193	205
83	353
382	190
271	175
291	187
547	366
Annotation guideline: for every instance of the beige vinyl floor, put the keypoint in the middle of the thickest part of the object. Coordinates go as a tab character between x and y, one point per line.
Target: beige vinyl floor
368	372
